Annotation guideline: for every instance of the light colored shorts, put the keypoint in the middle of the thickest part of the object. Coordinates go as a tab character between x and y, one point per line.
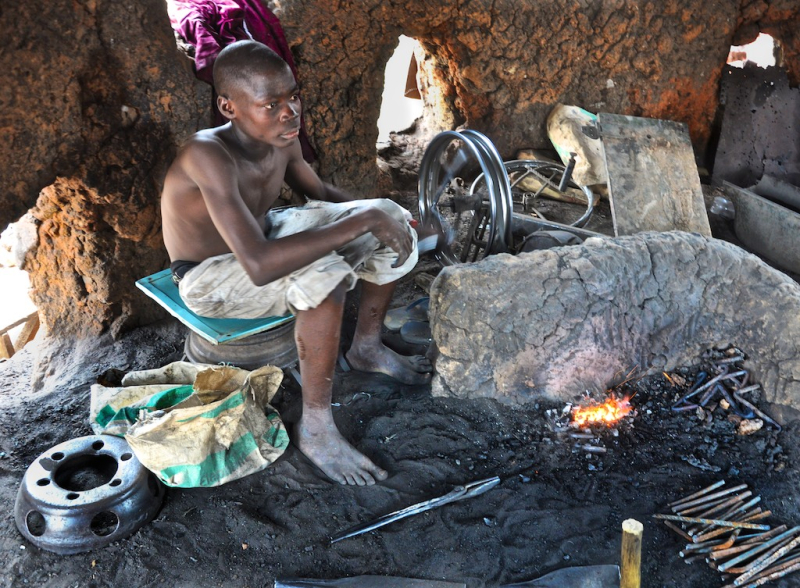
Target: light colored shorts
220	288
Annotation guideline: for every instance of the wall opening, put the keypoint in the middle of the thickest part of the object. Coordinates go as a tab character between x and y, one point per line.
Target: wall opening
764	52
19	319
401	102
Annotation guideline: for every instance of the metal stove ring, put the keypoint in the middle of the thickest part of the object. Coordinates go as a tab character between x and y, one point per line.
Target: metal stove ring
84	494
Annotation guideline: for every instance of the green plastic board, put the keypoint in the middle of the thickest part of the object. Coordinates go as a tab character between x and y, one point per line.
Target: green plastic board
163	290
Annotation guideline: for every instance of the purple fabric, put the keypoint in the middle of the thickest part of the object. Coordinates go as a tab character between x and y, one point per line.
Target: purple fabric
211	25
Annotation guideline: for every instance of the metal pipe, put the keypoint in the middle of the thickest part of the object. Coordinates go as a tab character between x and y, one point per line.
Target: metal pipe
710	497
717	522
698	494
759	548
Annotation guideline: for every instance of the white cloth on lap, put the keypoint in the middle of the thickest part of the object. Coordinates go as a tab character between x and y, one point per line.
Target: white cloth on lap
220	288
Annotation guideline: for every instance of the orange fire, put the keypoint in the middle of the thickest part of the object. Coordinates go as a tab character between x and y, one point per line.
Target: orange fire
607	413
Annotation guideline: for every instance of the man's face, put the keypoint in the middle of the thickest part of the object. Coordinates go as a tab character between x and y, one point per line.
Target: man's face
267	107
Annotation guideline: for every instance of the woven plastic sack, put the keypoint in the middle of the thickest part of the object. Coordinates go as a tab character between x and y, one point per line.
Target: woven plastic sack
567	128
195	425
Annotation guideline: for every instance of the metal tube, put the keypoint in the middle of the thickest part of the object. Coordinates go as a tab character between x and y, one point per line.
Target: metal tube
768	574
698	494
764	561
759	548
717	522
710	497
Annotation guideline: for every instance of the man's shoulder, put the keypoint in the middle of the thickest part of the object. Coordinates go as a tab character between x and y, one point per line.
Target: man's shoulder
207	140
204	148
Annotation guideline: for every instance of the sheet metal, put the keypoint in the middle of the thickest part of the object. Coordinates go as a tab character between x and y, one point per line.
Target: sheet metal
766	227
653	182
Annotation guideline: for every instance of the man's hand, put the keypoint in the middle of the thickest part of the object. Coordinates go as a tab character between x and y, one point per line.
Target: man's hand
392	234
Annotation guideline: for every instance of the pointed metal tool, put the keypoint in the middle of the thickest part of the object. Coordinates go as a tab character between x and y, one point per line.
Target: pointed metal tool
457	493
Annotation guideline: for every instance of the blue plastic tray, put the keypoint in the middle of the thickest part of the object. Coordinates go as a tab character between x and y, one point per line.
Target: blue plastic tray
163	290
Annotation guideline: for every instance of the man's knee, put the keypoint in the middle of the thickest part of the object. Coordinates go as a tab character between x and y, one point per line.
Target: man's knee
338	294
391	208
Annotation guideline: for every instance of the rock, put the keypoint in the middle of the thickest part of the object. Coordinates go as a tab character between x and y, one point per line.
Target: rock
577	318
749	426
97	100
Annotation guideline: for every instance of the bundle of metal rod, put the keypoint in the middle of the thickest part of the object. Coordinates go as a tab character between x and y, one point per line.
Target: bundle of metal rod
718	523
728	385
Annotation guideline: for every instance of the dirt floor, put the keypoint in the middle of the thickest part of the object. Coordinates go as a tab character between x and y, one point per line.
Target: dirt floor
556	506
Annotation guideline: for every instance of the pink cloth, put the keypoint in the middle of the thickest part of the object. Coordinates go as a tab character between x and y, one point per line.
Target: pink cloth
211	25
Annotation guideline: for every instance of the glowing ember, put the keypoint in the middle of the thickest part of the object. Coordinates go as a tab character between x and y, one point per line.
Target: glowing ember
607	413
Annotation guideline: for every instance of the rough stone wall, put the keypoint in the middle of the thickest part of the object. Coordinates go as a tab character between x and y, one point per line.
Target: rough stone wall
555	323
97	94
96	98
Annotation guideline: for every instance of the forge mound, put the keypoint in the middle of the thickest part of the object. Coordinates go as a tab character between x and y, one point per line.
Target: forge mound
557	322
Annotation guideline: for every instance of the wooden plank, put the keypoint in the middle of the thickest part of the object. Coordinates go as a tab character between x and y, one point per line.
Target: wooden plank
6	348
653	182
18	322
28	332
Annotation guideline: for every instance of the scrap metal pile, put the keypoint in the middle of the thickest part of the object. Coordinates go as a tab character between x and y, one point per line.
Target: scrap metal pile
725	528
724	383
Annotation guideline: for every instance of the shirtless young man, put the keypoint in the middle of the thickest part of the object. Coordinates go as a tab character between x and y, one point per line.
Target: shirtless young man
234	260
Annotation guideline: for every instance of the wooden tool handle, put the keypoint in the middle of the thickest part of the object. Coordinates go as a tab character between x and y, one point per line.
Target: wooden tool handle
631	561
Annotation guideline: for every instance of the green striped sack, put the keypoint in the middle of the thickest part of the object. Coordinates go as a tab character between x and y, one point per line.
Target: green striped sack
195	425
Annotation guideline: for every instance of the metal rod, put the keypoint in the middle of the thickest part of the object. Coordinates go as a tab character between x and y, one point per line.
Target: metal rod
698	494
722	376
733	359
730	541
758	412
763	536
678	530
565	178
712	534
710	546
779	566
724	504
765	561
698	546
759	548
714	496
701	508
774	576
685	407
747	518
725	553
717	522
728	515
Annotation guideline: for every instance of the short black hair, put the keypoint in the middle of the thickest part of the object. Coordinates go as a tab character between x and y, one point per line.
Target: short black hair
240	61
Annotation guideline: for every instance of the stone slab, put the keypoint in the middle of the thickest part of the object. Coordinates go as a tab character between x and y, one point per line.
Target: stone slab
653	182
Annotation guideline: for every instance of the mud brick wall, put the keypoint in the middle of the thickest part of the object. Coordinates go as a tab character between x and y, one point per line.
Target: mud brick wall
97	98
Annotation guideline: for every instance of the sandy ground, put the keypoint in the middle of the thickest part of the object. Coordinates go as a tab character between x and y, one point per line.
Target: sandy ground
555	506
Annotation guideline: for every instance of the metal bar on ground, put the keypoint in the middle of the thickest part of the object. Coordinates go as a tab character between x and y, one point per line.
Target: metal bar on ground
719	523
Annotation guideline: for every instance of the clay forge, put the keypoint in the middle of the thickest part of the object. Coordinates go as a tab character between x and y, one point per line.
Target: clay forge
552	324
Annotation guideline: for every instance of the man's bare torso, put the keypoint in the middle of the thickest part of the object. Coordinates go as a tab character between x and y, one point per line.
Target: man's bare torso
189	231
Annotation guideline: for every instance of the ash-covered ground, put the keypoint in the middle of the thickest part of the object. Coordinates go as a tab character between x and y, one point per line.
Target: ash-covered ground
556	506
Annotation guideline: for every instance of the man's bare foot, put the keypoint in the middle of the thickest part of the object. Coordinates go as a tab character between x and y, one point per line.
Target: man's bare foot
318	438
414	369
